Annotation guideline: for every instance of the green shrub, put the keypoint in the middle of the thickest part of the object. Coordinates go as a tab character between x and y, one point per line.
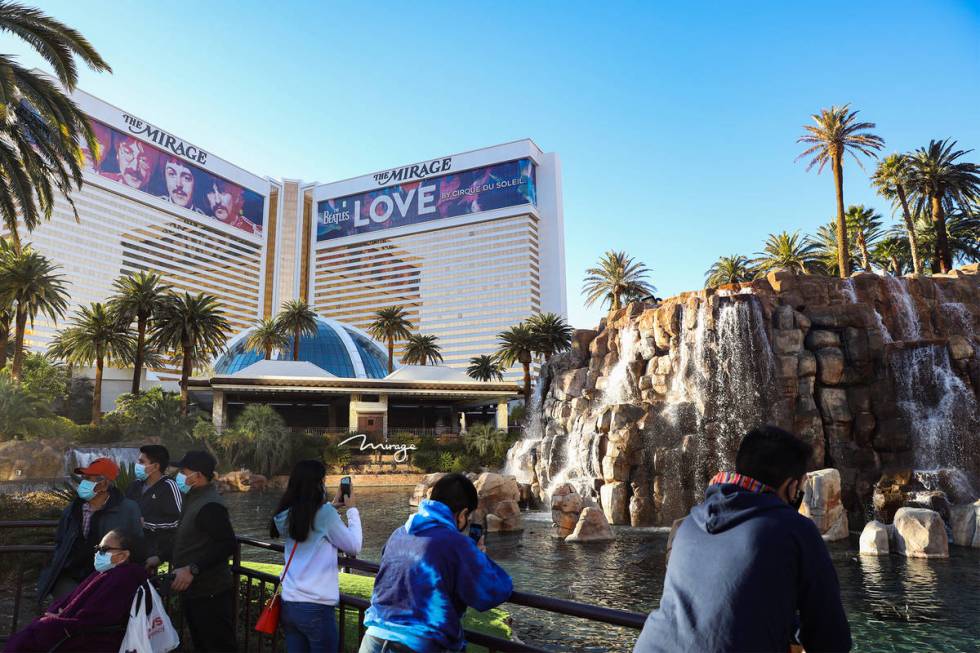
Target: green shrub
44	378
18	409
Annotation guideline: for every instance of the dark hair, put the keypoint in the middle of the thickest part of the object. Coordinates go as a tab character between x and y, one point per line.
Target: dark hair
456	491
157	453
303	497
125	539
771	455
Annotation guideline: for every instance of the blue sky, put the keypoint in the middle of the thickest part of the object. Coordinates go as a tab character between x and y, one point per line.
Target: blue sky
676	125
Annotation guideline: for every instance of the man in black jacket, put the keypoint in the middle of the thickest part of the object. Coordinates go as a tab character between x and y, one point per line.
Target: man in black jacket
99	508
160	502
204	542
747	572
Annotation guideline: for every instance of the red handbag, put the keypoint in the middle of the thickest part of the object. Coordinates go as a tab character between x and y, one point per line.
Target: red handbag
269	618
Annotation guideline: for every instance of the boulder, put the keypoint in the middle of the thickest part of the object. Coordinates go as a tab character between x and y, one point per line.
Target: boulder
919	533
499	495
821	338
566	504
592	526
237	481
960	347
965	522
22	460
874	539
615	502
830	365
424	488
787	341
822	504
258	483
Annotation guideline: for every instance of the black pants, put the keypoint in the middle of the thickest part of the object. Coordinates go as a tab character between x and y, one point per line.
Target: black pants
209	618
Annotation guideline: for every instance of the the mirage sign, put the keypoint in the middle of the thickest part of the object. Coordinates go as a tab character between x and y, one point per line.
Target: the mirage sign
412	202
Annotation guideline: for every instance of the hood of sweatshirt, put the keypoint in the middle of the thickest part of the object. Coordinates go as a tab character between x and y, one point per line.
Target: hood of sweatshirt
726	506
431	514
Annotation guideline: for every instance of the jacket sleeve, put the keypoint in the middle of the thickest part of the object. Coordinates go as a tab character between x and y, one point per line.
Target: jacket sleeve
480	582
134	525
166	513
346	538
823	623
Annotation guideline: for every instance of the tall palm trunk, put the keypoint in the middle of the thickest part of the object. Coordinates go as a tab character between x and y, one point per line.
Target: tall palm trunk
185	373
20	326
138	360
296	343
896	266
97	392
943	258
391	355
4	338
843	265
527	385
865	257
910	229
268	352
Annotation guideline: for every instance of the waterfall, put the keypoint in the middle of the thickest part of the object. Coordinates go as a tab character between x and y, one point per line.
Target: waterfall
941	410
83	456
520	457
959	315
905	313
619	385
848	287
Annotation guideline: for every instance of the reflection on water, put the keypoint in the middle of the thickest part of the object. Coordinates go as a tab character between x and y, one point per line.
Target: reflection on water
894	604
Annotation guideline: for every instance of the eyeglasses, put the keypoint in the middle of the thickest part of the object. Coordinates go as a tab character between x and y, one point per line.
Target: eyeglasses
106	549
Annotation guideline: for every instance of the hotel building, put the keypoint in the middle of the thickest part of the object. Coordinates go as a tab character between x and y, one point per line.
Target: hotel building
469	244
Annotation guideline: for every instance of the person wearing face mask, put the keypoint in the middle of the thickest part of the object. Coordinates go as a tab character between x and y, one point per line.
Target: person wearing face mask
99	508
747	571
430	573
93	616
160	502
203	543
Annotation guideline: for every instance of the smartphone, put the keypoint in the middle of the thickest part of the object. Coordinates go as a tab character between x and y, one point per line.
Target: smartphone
345	484
476	532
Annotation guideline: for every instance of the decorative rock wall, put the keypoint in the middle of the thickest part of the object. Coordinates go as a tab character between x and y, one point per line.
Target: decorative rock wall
642	411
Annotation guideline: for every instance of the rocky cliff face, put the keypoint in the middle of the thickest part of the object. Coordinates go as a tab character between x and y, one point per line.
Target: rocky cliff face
875	372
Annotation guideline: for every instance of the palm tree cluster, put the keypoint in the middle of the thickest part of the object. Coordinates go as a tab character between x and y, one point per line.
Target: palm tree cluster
294	320
934	191
933	188
617	280
543	335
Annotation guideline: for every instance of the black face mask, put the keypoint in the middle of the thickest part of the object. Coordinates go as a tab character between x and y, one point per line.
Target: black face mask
797	500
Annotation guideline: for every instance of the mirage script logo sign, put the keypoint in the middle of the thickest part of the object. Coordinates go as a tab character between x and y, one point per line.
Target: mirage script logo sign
163	139
401	450
414	172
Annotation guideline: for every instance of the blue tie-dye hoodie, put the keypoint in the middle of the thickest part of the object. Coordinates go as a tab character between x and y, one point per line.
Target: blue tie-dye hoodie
430	573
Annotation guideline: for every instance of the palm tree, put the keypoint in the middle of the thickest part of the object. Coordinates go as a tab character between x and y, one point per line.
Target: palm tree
824	244
139	297
265	336
864	226
391	324
296	317
41	127
193	327
729	269
616	277
485	440
835	133
28	281
420	350
942	182
98	335
485	368
891	254
552	333
517	345
891	179
786	250
6	318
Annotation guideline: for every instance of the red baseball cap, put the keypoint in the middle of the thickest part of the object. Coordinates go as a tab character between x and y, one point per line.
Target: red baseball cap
100	467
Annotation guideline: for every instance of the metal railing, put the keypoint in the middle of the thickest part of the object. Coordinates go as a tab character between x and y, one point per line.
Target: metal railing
254	587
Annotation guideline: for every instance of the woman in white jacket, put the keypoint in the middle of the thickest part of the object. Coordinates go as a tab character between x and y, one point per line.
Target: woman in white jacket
314	532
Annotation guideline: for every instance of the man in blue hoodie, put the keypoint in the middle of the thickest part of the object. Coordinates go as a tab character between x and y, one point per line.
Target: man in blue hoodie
747	572
430	572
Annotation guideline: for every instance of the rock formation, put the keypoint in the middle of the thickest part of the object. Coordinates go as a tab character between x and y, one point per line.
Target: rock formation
919	533
821	503
591	527
876	373
498	499
874	539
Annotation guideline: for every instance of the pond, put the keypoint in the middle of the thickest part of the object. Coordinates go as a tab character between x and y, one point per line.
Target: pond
894	604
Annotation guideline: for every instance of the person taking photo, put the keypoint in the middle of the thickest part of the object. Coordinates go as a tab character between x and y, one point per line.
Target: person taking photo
746	569
314	532
430	573
160	502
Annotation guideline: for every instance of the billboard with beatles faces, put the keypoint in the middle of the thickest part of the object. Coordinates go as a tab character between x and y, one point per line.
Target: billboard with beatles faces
470	191
133	162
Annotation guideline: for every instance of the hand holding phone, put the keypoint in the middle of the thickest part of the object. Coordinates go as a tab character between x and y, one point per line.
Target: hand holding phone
476	532
345	497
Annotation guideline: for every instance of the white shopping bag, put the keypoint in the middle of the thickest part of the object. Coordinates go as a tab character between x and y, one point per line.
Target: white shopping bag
149	629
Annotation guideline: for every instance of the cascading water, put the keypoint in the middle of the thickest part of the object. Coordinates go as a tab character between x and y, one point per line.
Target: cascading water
521	456
906	316
940	409
851	293
83	456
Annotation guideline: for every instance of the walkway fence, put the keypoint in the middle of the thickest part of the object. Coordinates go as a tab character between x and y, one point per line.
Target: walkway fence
21	562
